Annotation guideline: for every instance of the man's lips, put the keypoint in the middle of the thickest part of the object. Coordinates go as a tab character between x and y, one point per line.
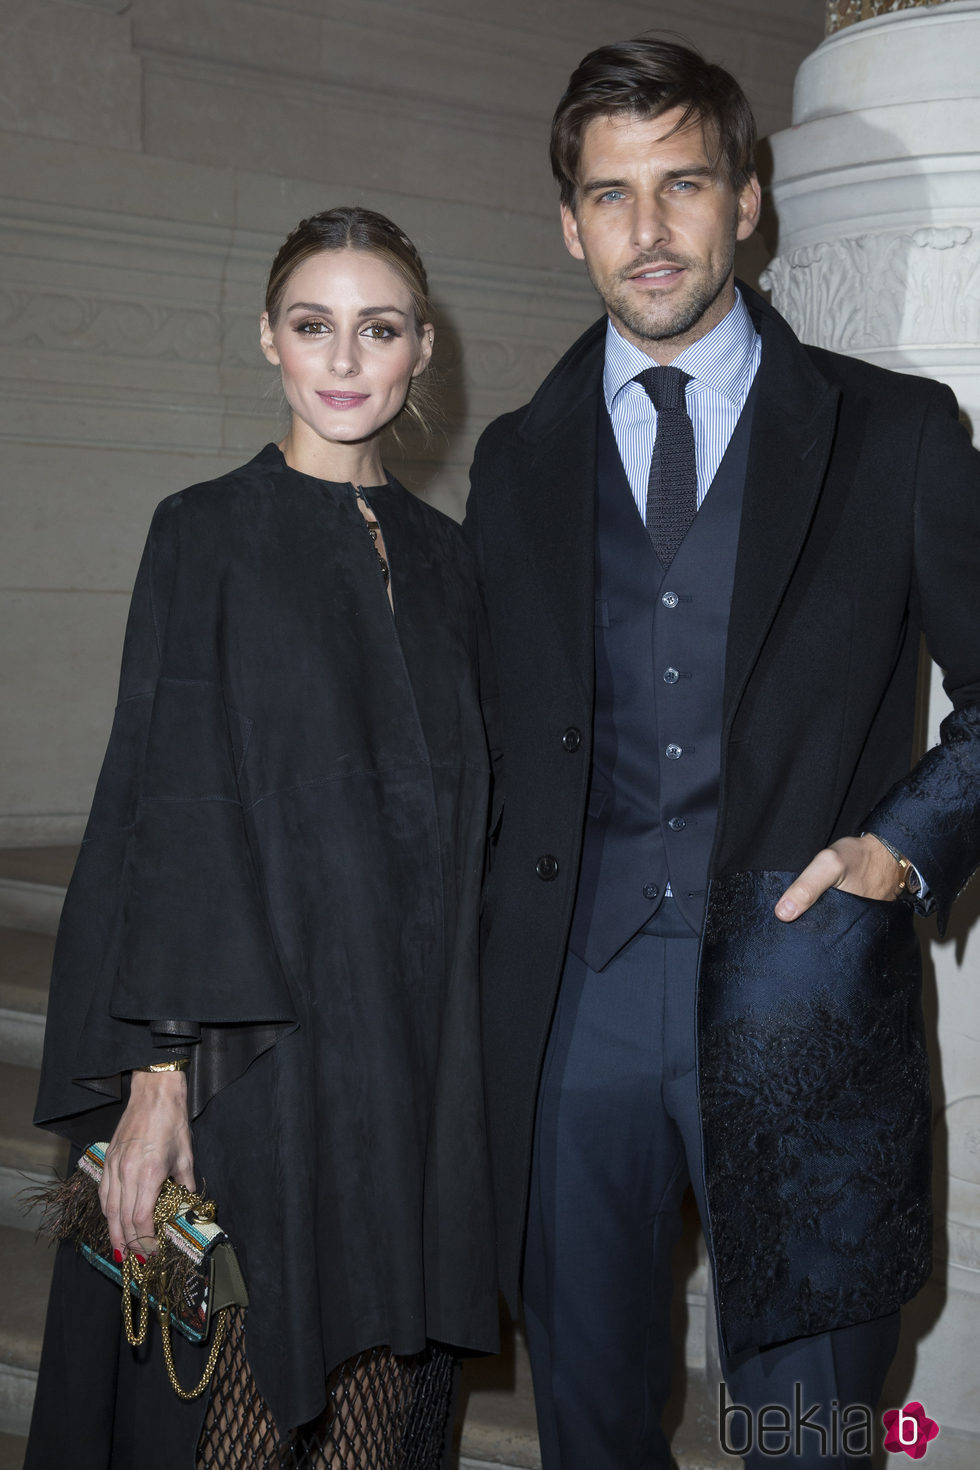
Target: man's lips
343	400
657	273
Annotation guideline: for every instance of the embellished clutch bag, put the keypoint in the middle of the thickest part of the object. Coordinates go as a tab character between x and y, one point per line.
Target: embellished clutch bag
191	1281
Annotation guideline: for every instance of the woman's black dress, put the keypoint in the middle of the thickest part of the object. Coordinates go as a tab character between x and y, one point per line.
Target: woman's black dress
285	849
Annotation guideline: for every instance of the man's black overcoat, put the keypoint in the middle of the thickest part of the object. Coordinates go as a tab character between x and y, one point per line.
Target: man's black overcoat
859	531
286	849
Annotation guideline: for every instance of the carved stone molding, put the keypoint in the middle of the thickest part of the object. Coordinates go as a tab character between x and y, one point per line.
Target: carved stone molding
841	13
880	290
508	365
72	323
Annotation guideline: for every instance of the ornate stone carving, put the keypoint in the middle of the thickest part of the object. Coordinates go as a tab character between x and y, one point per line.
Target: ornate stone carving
486	364
880	290
841	13
514	367
70	323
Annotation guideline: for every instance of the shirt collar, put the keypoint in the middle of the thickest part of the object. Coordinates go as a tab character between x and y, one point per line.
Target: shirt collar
722	359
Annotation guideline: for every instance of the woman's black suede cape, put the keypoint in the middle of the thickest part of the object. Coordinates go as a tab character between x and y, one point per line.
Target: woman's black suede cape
285	853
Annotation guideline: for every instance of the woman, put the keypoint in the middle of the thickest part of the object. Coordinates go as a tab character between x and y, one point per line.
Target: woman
279	887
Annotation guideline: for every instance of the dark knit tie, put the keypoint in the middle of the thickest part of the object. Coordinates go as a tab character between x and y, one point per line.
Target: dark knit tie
672	490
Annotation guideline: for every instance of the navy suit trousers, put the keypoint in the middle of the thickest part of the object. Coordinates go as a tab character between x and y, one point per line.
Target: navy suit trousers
617	1142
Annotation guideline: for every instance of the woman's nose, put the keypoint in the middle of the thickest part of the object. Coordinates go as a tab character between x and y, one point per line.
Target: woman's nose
344	361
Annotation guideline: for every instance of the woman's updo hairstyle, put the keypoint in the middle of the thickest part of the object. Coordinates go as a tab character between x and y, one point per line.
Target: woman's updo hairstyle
350	227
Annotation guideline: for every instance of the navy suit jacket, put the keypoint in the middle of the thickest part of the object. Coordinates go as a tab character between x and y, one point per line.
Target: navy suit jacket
859	532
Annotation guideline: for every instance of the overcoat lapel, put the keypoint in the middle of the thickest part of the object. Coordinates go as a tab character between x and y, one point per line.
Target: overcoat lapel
556	503
792	434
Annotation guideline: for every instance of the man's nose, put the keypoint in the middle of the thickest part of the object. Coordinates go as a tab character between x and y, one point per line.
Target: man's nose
650	226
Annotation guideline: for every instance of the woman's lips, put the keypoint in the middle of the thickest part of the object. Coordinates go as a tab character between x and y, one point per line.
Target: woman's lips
343	400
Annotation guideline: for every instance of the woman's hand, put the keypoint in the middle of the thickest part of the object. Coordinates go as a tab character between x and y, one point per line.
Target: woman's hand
152	1140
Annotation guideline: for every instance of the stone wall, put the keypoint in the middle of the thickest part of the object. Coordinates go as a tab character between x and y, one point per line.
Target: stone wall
154	154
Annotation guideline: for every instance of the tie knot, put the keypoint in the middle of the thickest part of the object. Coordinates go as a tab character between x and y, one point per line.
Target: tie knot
665	386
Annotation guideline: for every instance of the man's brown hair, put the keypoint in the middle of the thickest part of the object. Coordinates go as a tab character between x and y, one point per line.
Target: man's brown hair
644	78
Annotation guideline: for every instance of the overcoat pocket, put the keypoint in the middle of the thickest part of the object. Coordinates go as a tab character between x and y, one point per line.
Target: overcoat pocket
815	1110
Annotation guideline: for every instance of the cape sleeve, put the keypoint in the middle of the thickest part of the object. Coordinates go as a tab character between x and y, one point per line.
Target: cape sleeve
486	663
164	915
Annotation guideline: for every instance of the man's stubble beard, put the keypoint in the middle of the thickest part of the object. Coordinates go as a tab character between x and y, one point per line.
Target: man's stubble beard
686	313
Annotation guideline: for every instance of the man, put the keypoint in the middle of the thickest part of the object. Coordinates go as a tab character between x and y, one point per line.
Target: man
708	554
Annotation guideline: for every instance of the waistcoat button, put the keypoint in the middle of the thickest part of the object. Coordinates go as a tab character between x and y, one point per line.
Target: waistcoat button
650	890
546	867
671	676
677	824
670	599
572	739
673	752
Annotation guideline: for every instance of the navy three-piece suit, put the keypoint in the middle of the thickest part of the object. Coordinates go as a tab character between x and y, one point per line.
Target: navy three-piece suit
848	527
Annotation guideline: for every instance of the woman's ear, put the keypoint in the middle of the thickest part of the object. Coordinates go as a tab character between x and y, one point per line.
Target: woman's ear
427	340
267	340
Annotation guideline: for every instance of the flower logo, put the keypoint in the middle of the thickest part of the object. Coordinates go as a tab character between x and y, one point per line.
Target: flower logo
909	1430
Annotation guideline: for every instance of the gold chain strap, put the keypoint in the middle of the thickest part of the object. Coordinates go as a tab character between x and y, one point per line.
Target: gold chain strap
131	1271
173	1197
220	1324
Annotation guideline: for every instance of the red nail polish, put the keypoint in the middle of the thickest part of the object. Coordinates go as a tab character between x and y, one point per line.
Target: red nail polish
141	1259
117	1257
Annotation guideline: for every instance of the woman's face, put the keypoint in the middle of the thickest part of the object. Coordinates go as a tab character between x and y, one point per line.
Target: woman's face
347	345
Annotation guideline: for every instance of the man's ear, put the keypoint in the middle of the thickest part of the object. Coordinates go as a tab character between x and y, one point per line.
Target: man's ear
569	229
267	341
749	207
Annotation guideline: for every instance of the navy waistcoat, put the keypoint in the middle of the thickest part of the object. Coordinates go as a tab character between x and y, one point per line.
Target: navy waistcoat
660	640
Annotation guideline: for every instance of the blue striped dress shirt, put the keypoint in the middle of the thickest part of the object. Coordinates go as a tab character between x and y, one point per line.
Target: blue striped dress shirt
721	366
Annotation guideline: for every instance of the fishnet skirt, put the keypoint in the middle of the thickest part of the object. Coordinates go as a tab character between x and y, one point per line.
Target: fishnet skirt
383	1413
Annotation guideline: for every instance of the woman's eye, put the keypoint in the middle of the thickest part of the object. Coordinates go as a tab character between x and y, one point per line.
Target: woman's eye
379	331
312	328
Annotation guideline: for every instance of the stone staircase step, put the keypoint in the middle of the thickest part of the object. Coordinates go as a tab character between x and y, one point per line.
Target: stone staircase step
12	1449
32	886
28	1155
497	1402
25	971
22	1146
25	1278
499	1427
51	866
